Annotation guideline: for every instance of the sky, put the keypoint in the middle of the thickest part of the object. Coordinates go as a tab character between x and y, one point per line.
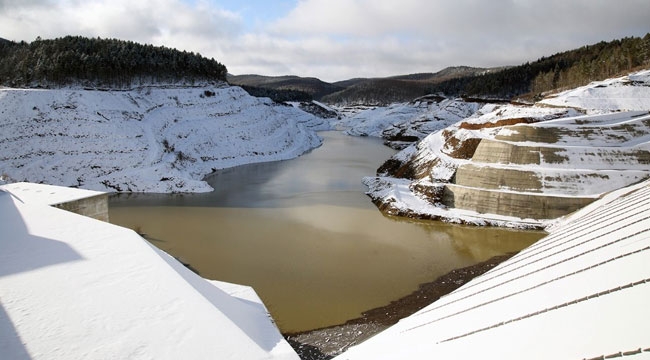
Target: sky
338	39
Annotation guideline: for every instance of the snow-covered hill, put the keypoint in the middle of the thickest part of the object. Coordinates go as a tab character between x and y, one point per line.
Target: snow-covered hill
404	123
516	165
151	139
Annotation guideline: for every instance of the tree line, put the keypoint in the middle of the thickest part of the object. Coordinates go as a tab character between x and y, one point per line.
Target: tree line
100	62
568	69
277	95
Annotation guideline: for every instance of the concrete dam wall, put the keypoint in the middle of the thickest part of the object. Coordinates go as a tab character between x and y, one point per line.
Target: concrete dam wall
534	206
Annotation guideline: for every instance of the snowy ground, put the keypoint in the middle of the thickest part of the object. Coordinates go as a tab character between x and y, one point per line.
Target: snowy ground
627	93
149	139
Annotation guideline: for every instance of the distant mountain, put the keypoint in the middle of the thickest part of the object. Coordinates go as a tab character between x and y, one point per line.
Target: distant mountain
100	62
314	87
378	92
375	91
529	81
446	73
400	88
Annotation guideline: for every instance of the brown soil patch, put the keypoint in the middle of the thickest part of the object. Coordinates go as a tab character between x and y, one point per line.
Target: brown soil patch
498	123
397	169
461	149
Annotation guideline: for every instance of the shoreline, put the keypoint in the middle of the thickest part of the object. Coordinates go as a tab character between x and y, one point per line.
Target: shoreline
326	343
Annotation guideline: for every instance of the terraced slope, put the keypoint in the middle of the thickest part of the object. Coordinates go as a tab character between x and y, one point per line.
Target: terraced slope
149	139
549	169
523	165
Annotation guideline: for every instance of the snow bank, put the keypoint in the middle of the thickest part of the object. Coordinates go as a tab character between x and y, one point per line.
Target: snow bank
150	139
77	288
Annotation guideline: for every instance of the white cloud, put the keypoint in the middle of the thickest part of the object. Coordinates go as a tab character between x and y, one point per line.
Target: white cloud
437	33
339	39
173	23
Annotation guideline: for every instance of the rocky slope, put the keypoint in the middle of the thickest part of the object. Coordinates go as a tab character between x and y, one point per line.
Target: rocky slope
149	139
521	166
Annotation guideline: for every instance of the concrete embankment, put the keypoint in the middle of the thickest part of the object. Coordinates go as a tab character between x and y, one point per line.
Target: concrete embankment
523	205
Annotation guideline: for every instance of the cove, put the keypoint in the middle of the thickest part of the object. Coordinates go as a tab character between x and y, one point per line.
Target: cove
304	235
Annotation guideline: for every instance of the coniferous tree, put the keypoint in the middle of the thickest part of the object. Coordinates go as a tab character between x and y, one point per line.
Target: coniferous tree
100	62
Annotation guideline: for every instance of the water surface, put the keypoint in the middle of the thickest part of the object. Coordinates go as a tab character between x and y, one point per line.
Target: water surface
305	236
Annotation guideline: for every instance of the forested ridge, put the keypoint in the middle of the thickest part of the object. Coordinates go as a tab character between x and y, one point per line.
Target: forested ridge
100	62
117	63
563	70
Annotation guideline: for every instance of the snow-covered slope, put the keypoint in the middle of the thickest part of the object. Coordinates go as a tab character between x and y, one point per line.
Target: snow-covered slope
72	287
521	166
152	139
627	93
579	293
405	123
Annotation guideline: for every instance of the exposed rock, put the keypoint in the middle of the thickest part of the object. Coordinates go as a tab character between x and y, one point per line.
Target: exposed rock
318	109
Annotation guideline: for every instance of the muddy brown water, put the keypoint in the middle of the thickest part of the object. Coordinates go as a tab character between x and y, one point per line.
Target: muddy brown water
306	237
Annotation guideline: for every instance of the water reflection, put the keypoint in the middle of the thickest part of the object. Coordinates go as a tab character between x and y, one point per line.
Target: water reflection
304	235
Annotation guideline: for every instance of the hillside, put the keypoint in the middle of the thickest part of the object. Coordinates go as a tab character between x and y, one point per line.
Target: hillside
378	92
528	81
374	91
284	86
531	80
524	165
394	89
402	124
148	139
567	69
95	62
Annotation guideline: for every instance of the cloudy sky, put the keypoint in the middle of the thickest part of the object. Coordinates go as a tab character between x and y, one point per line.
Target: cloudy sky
338	39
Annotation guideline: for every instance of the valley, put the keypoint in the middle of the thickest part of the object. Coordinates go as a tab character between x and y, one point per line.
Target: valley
336	201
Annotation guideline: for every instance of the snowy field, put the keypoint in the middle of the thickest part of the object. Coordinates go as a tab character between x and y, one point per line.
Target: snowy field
150	139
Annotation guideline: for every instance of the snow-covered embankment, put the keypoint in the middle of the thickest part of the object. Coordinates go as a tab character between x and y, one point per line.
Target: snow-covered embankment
149	139
525	165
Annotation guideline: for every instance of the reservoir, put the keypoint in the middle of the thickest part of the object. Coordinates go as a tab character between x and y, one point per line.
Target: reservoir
304	235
